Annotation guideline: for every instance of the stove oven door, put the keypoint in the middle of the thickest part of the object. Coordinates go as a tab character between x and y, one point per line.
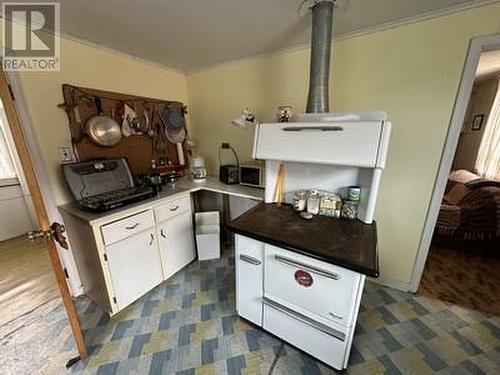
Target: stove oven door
320	288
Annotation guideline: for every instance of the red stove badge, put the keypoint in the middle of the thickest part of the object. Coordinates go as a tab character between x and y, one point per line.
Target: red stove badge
303	278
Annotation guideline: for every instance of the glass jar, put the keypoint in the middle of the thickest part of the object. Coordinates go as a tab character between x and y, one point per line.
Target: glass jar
349	210
313	202
300	200
326	205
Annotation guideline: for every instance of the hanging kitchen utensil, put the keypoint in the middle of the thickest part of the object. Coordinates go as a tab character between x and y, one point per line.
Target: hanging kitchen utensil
174	124
128	115
175	128
149	126
101	129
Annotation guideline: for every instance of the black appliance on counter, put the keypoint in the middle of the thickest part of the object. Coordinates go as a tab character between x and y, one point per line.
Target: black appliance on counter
229	174
101	185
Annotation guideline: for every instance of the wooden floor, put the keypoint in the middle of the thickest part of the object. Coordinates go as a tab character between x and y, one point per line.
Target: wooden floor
26	279
463	278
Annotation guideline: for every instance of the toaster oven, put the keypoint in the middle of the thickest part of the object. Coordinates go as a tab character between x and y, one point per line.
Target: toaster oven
253	174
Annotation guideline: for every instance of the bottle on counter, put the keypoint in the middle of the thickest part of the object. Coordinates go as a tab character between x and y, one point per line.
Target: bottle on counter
313	201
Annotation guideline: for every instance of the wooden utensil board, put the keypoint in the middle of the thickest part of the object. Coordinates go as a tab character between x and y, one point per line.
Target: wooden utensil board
138	149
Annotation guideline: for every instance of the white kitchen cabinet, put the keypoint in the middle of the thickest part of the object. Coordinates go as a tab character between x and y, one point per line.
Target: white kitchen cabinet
176	240
249	278
135	266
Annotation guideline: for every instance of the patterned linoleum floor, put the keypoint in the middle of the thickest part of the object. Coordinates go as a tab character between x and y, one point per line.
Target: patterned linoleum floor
188	325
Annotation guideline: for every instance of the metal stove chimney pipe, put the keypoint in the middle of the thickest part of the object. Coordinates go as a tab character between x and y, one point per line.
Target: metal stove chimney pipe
321	41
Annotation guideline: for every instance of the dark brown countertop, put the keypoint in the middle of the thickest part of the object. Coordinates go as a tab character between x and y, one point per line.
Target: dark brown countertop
351	244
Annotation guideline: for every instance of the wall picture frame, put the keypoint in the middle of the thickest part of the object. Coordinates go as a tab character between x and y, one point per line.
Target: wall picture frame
477	122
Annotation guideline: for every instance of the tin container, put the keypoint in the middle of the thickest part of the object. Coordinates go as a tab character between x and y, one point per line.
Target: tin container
354	193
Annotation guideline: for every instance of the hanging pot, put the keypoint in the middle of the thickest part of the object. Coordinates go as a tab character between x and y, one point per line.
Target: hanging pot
103	130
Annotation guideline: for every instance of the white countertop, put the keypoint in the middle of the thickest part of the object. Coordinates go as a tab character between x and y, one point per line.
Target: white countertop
184	185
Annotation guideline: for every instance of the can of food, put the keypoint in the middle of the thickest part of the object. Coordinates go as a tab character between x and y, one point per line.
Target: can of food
354	193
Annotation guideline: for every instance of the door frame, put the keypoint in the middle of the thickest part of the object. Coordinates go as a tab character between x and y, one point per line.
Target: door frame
476	47
23	151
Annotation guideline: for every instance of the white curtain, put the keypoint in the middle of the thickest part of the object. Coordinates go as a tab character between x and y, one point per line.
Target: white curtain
7	169
488	158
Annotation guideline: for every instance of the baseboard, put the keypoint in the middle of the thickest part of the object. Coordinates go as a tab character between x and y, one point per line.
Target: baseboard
396	284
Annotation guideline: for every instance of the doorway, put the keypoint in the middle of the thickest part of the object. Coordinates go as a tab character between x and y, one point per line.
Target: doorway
458	259
27	281
26	358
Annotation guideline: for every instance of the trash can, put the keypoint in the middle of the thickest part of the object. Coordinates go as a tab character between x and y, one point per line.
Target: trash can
207	234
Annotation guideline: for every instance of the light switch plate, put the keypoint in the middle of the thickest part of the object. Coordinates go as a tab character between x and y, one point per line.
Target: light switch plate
65	154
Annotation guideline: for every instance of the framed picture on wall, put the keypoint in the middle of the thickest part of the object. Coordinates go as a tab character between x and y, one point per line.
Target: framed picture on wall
477	122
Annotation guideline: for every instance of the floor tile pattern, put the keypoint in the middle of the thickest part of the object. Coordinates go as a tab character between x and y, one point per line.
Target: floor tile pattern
188	325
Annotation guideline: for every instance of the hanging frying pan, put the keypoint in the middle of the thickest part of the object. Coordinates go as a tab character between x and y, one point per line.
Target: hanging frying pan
103	130
175	128
174	124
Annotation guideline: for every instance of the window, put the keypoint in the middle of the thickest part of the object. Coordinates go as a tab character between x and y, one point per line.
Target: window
7	168
488	158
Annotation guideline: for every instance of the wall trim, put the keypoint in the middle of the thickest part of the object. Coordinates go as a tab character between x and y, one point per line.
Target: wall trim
355	33
476	47
342	36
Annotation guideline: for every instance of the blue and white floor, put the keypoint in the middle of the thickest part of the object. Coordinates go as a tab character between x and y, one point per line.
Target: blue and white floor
188	325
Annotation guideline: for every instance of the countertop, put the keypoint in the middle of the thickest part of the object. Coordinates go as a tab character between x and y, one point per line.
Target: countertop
351	244
184	185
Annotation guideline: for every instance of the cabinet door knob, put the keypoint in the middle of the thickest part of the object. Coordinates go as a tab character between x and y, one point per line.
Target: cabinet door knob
152	239
163	233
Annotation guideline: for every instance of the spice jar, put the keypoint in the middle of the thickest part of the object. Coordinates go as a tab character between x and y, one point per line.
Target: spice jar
349	210
300	200
313	202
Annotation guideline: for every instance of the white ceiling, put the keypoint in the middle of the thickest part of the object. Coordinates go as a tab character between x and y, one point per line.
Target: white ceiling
489	63
193	34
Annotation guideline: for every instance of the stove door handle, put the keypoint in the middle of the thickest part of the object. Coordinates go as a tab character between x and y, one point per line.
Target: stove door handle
312	269
132	226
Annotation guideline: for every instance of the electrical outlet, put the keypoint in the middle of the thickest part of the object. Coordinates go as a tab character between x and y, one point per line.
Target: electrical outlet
65	155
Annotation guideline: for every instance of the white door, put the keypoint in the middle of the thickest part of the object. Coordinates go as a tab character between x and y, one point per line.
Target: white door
176	243
135	266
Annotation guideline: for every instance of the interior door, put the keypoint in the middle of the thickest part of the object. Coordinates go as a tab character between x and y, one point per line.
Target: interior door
176	243
135	266
40	209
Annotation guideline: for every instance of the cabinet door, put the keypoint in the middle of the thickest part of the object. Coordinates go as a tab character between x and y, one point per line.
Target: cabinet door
135	266
249	274
176	243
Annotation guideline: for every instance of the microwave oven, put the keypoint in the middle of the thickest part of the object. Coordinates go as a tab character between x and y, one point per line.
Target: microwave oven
253	173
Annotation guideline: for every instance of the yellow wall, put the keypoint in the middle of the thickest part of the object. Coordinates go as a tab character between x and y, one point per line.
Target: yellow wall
412	72
92	67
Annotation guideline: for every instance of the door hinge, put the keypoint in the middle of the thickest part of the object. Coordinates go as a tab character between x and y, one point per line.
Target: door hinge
105	257
54	233
66	273
11	93
114	300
